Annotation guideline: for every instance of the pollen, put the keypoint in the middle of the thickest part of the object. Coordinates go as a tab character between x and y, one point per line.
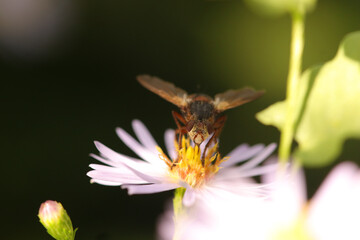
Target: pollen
189	165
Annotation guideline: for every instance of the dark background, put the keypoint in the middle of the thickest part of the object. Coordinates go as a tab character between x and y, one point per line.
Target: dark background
68	78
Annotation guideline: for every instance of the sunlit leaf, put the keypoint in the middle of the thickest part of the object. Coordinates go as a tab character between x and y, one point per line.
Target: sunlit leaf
278	7
273	115
332	112
330	115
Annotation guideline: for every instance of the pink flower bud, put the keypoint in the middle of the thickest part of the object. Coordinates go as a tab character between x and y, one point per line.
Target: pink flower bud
50	211
56	221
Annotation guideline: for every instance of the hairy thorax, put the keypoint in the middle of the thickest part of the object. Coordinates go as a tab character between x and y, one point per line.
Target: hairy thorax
200	116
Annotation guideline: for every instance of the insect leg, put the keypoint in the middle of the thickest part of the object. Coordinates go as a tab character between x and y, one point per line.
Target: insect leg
181	129
218	126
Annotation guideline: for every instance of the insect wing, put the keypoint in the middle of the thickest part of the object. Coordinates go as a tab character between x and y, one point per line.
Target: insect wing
164	89
234	98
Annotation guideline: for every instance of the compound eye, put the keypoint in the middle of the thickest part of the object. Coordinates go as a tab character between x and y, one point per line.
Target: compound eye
189	125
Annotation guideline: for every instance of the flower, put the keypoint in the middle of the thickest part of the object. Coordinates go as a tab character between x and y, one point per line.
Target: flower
57	222
333	212
215	218
156	172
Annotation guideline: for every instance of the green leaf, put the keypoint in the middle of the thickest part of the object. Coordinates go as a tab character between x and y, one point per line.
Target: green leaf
331	110
273	115
279	7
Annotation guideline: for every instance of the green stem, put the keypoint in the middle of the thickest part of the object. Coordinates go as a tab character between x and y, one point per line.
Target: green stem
178	209
296	51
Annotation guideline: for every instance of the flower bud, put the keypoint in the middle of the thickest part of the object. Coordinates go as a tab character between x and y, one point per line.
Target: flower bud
56	221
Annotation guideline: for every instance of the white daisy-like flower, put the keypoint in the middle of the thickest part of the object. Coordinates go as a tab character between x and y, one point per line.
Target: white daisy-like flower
333	213
214	218
154	171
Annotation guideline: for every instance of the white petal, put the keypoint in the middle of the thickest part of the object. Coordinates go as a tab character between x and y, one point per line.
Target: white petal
113	170
239	150
212	193
259	158
106	161
169	143
239	188
203	144
165	224
151	176
144	136
106	183
141	166
339	180
242	153
287	195
150	188
189	197
122	169
334	211
137	148
258	171
112	155
115	178
235	172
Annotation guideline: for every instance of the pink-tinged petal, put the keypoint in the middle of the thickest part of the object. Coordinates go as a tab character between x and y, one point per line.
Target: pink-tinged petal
144	136
116	177
217	218
108	162
124	160
106	183
287	193
338	181
259	171
119	171
137	148
242	153
169	143
203	144
155	176
259	158
214	192
118	164
239	188
112	155
150	188
165	224
140	166
235	172
189	197
229	174
222	192
143	170
334	211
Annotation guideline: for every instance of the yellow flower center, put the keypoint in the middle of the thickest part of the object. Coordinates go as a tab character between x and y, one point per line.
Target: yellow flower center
189	165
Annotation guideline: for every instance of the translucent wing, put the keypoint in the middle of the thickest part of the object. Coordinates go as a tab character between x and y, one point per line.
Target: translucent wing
164	89
234	98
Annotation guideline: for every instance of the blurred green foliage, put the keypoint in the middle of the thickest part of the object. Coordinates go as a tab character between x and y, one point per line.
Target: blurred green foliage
279	7
327	97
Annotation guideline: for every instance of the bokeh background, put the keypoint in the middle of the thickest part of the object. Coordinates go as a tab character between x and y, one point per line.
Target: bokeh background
68	77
